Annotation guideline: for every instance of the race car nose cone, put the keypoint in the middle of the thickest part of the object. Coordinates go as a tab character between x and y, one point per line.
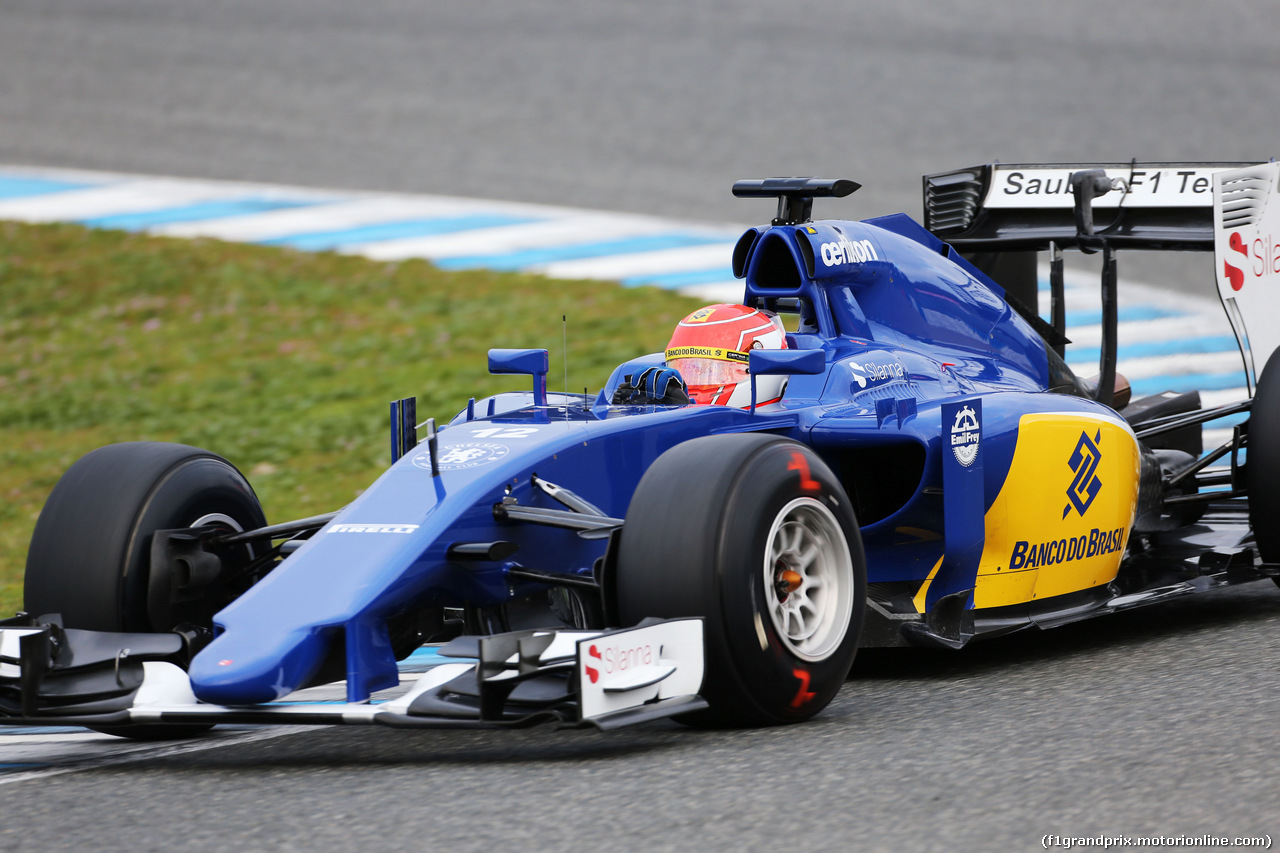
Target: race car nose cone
238	670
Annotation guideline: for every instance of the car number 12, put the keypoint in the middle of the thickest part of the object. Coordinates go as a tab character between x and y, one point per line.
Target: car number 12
504	432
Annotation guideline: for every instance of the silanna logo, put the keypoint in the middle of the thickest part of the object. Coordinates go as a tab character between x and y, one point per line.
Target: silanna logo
617	659
871	372
1259	258
1086	484
966	436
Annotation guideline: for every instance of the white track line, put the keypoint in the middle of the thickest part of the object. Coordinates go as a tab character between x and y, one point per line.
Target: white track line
1182	364
131	197
139	751
645	263
563	231
336	215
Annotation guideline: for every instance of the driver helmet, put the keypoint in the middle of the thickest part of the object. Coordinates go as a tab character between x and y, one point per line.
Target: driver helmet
709	348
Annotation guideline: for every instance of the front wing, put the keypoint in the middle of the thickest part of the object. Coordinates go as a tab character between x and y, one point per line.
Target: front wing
605	679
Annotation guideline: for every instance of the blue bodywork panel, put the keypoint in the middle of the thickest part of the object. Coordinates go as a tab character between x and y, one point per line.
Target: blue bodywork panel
910	334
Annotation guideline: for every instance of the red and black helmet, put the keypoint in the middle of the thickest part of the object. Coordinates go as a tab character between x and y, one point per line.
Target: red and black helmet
709	348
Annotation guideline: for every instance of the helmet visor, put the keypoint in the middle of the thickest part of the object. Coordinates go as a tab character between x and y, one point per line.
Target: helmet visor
709	371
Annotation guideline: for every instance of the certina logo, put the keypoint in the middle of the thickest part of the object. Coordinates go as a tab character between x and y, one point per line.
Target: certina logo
1030	555
848	252
610	659
870	371
373	528
965	436
1086	484
468	454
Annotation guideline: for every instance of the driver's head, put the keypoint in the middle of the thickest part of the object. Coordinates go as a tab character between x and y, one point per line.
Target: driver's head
710	347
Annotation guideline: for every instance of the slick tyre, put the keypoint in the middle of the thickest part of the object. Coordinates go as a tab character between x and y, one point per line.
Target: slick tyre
1262	463
91	551
90	554
753	533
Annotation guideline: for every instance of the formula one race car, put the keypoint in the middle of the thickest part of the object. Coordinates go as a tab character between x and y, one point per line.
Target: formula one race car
913	463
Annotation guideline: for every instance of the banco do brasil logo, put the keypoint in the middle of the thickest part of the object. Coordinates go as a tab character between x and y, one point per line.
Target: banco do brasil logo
1084	462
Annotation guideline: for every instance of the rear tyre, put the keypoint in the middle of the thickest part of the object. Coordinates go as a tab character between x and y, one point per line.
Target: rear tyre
90	554
755	534
1262	463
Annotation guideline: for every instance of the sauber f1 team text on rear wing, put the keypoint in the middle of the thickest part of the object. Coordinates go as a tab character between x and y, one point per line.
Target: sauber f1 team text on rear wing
1230	209
998	207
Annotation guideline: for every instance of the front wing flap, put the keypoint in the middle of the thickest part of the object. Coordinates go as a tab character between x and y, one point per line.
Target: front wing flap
605	679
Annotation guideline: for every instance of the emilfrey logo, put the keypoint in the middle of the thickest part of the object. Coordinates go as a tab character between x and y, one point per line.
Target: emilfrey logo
1086	484
966	435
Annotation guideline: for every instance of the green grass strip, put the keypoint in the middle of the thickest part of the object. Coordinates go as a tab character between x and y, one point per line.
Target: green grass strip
281	361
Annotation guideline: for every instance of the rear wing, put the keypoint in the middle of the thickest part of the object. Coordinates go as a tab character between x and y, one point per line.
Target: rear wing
1001	207
993	212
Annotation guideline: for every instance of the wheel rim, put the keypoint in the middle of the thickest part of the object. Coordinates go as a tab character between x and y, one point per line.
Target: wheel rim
808	579
218	519
220	591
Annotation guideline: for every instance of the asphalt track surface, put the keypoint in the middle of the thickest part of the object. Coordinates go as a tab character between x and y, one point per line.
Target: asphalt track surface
1155	722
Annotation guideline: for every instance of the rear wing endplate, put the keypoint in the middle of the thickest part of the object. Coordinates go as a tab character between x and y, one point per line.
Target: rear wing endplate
1246	245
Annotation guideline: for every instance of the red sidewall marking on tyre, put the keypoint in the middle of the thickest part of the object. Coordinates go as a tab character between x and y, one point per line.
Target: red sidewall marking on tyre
799	463
803	695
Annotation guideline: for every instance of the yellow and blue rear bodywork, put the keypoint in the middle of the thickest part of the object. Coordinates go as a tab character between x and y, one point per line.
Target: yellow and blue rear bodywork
1037	514
1043	540
1022	513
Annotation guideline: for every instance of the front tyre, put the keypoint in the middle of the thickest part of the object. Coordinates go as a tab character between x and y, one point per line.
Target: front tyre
754	533
90	555
91	550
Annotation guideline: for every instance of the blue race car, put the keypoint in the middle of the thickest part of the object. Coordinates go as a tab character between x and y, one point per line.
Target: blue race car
712	536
